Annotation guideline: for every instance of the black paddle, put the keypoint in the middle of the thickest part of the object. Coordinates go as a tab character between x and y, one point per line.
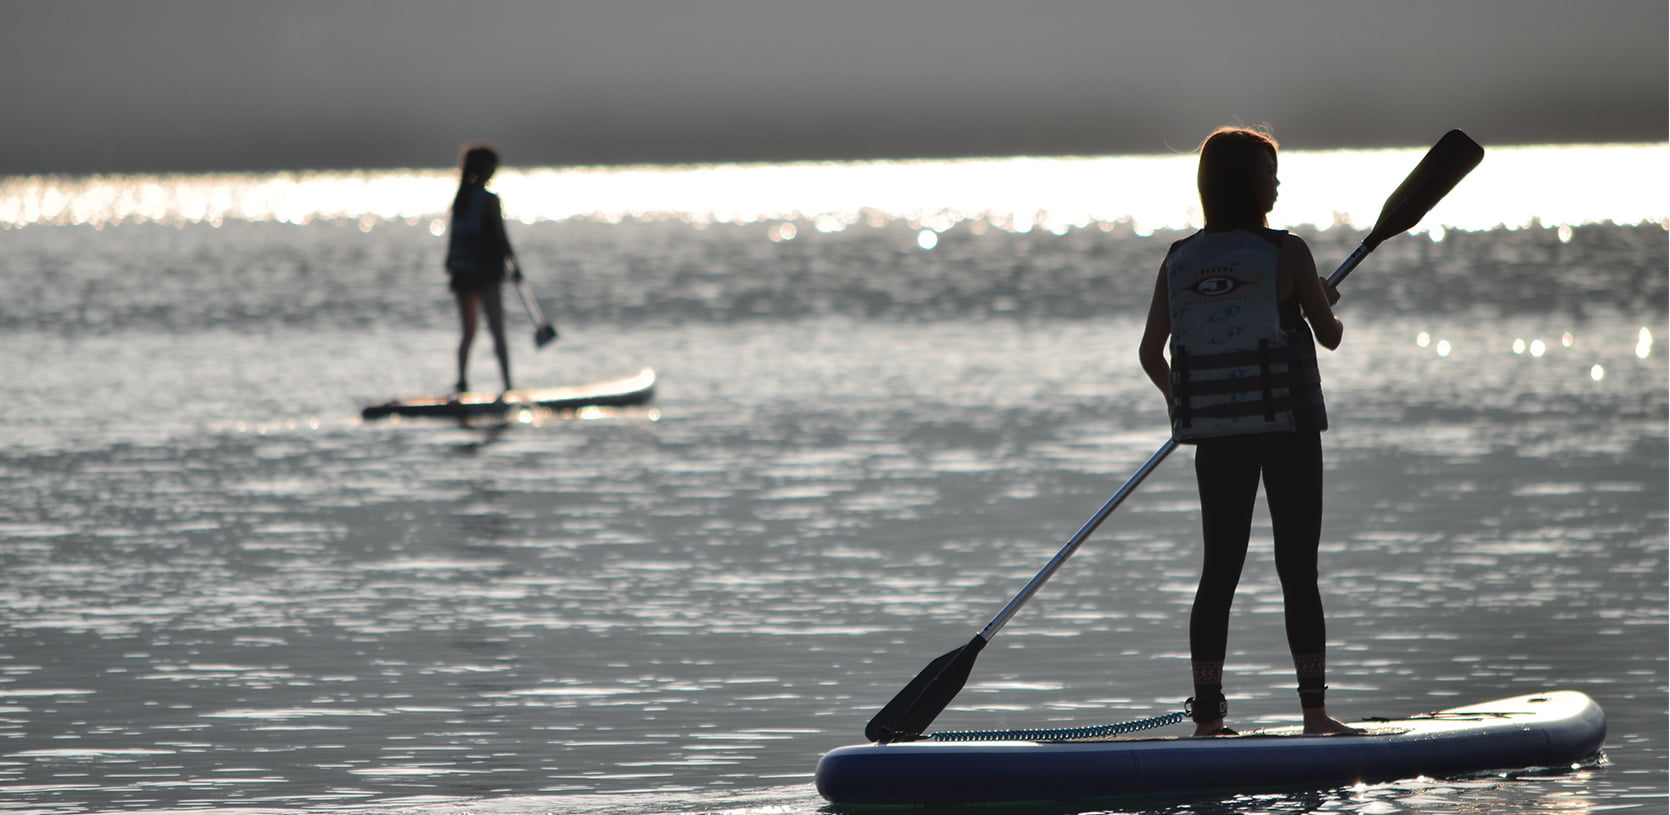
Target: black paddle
546	332
907	716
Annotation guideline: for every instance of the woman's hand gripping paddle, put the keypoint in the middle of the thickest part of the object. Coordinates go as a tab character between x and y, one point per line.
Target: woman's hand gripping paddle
547	331
908	715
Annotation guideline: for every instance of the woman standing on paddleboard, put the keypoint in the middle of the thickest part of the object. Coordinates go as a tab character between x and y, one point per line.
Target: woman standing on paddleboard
1234	301
477	252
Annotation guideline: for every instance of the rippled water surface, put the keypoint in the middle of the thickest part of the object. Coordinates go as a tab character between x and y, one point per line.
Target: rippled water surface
222	589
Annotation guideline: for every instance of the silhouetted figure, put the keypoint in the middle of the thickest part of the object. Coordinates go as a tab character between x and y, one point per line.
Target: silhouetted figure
477	252
1238	303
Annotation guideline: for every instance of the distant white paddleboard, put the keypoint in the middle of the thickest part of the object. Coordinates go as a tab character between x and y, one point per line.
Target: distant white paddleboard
627	390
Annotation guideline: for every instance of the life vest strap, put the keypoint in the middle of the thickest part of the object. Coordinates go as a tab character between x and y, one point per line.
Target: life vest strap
1266	408
1239	359
1280	379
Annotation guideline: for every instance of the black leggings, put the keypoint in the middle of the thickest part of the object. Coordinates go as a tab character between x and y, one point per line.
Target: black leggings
1228	471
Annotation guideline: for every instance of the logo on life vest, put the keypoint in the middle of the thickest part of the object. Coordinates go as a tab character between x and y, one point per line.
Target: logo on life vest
1217	286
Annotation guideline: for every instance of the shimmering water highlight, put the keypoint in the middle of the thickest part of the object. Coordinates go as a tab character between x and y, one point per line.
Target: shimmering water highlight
1554	186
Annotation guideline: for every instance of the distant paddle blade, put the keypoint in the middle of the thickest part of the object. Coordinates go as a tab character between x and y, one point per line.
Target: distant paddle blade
545	335
915	707
1443	167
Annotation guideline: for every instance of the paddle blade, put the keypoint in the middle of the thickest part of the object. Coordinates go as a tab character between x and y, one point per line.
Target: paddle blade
1449	161
544	335
915	707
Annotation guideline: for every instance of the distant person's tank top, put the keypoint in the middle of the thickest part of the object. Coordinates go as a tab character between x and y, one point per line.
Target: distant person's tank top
475	252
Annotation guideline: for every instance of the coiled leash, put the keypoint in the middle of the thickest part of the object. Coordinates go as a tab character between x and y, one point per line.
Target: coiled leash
1092	733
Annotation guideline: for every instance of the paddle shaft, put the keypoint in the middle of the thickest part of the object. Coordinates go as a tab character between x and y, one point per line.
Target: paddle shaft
1072	546
528	301
544	331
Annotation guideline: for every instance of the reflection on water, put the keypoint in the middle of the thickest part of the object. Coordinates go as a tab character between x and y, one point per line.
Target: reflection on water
224	590
1558	186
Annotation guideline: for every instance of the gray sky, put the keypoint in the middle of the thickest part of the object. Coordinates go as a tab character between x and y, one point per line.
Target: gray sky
163	85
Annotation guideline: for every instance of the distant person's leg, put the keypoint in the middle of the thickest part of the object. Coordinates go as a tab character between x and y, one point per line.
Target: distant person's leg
492	302
468	308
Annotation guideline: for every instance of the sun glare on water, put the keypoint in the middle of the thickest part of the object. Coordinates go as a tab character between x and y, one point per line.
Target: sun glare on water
1515	187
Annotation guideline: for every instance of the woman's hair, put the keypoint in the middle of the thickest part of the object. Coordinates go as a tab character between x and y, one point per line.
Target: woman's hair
479	162
1227	158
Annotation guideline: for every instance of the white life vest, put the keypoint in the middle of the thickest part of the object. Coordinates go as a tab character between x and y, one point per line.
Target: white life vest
1234	367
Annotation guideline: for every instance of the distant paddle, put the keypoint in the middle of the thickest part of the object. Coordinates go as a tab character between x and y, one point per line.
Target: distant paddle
546	332
908	715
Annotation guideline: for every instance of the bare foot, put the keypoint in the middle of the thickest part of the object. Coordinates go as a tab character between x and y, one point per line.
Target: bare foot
1213	728
1319	723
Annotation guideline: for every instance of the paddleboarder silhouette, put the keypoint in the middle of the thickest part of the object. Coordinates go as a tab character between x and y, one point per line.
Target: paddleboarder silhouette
478	252
1237	304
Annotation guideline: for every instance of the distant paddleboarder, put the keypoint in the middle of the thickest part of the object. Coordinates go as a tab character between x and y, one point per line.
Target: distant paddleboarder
477	253
1237	303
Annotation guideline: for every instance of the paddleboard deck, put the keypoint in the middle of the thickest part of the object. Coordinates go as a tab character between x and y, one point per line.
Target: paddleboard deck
1553	729
626	390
